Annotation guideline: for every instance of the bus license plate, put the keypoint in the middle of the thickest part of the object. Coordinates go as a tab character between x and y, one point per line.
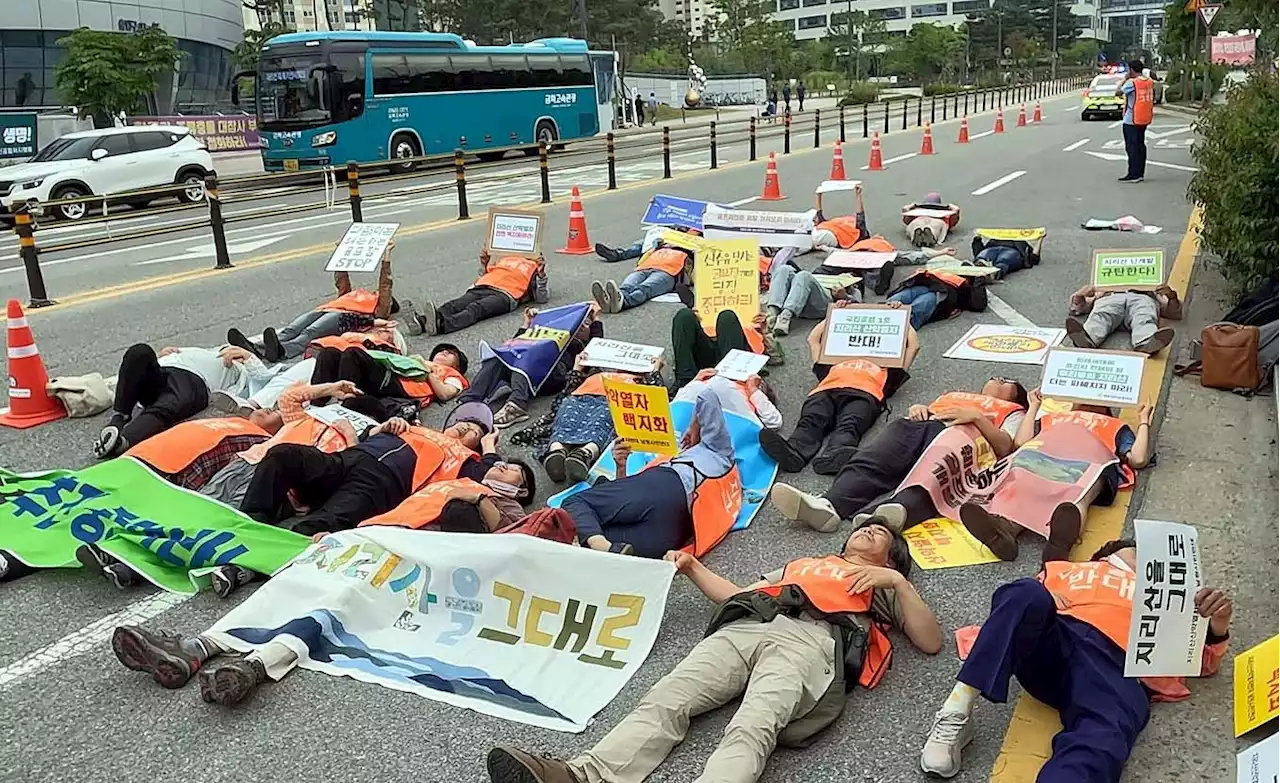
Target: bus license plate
291	165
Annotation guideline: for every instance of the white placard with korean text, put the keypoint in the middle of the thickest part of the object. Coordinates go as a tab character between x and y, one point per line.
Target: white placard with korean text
872	332
331	414
515	232
770	229
362	247
858	259
1093	376
618	355
1166	634
740	365
1259	763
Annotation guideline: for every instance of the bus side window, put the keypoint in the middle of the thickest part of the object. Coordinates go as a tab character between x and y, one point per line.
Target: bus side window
430	73
577	71
390	74
546	70
510	71
473	72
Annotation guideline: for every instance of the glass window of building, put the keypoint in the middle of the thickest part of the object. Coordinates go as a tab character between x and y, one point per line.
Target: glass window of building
811	22
928	9
896	12
788	5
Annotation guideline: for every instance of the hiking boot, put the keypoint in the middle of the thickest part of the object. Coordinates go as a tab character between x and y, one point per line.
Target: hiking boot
951	732
1077	335
831	461
781	451
236	337
170	659
510	414
997	533
883	280
512	765
817	513
553	464
1156	342
782	326
110	442
600	295
1064	531
577	465
272	350
614	294
428	319
608	253
411	318
227	579
229	684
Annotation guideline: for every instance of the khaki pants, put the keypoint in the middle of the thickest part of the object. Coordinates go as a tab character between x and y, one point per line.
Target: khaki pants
276	657
1134	311
781	669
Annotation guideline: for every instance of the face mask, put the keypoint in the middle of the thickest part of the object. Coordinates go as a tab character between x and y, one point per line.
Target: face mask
503	488
1119	562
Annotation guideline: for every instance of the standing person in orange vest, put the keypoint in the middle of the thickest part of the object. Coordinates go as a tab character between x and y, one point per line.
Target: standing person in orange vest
848	399
784	644
936	295
503	286
1139	95
1063	635
657	273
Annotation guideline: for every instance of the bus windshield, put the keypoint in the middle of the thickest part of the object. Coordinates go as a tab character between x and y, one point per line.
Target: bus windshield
293	93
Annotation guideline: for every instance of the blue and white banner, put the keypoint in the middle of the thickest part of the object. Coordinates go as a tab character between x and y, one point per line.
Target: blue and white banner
535	353
675	212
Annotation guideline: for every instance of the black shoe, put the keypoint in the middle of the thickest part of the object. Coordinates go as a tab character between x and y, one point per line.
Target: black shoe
553	464
781	450
577	466
228	578
110	442
685	293
883	280
121	576
171	660
94	557
231	683
272	350
1064	531
607	253
999	534
236	337
12	568
831	461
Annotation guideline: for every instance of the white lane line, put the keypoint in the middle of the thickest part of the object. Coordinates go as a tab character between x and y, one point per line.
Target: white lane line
990	186
1118	158
895	159
90	637
1115	124
1073	108
1076	145
980	135
1006	312
1192	169
742	201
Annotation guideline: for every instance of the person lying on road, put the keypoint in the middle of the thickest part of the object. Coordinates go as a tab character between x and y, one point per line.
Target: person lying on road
929	230
840	232
464	505
1138	311
882	278
657	273
651	239
935	295
799	294
503	285
753	398
394	377
693	349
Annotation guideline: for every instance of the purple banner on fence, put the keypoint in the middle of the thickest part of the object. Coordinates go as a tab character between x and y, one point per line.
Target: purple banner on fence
219	134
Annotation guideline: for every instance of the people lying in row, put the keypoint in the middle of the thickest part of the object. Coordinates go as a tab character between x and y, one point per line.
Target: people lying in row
936	295
841	408
843	231
1139	312
657	273
397	379
694	349
929	220
503	285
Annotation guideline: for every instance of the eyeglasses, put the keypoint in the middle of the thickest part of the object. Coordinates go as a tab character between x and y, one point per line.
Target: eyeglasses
998	379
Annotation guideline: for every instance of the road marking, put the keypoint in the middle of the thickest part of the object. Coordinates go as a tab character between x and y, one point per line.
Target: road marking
980	135
1115	124
742	201
1006	313
1076	145
1072	108
209	250
895	159
1111	157
90	637
990	186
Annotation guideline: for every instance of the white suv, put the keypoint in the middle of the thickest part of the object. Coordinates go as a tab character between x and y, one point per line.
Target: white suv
106	162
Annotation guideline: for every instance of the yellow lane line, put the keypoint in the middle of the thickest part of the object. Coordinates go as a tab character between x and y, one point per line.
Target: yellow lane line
1027	743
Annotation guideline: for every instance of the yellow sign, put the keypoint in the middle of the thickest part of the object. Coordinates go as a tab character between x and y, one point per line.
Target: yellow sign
1257	685
726	276
1006	343
944	543
680	239
642	416
1012	234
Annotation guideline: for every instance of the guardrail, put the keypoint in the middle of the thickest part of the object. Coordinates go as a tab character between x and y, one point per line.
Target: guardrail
610	149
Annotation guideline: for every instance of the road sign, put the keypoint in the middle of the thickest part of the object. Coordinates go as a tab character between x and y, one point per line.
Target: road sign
1192	6
1208	12
1008	52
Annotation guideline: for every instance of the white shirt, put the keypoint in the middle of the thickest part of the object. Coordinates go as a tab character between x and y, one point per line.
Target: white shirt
733	398
208	365
1012	422
652	236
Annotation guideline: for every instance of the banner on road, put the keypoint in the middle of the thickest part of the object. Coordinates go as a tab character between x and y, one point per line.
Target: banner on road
1128	270
769	229
362	247
1260	763
617	355
1166	633
535	353
874	332
726	276
675	212
512	626
514	232
216	132
943	543
1256	681
1093	376
642	417
1008	344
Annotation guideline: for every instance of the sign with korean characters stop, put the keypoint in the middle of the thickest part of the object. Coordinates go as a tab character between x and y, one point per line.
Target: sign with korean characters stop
642	417
1128	270
873	332
362	247
726	276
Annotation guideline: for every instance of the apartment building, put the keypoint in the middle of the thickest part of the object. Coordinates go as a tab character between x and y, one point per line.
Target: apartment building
308	15
691	13
1144	17
810	19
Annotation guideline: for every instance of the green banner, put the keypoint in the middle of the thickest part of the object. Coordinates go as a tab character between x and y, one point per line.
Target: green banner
1128	269
168	534
404	366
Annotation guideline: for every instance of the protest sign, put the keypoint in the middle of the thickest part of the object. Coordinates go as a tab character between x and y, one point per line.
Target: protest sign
617	355
726	276
1009	344
832	282
1256	682
1166	633
218	133
1093	376
943	543
858	259
740	365
674	211
1012	234
1259	763
19	135
642	417
535	353
769	229
837	185
1128	270
680	239
954	267
874	332
507	625
330	414
514	232
362	247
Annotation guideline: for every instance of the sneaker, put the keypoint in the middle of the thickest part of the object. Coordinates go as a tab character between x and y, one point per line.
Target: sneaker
12	568
1128	180
506	764
229	684
411	318
941	755
236	337
781	451
607	253
601	296
94	557
510	414
428	320
894	515
227	578
1077	335
1156	342
170	659
777	356
999	534
817	513
1064	531
272	350
782	326
831	461
110	442
615	296
577	465
553	464
883	280
121	576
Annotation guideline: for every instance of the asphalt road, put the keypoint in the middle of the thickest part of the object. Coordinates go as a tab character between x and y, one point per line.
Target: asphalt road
75	714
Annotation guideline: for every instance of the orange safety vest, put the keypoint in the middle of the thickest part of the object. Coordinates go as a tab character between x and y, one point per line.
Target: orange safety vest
754	339
992	407
857	374
716	503
354	340
845	229
306	431
173	450
1095	592
668	259
424	506
874	244
1144	100
825	582
421	389
594	384
510	274
439	456
358	301
1104	428
955	281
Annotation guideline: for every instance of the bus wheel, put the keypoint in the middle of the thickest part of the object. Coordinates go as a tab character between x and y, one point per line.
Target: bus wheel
545	131
404	146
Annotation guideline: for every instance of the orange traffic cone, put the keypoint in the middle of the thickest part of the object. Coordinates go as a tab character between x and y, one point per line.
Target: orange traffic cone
578	244
875	162
1036	117
29	402
999	121
837	163
772	190
1022	116
964	130
926	143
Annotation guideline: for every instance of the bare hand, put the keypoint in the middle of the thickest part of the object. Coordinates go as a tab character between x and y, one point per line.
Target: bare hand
1034	398
382	323
706	374
343	389
1214	604
580	361
656	362
593	311
753	383
959	415
393	426
489	443
318	537
1145	413
867	577
683	561
167	351
918	413
230	354
894	304
529	313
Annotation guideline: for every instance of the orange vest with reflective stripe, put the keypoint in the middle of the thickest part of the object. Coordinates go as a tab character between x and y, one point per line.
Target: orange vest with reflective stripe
992	407
358	301
353	340
955	281
845	229
594	384
1104	428
857	374
424	506
668	259
421	389
306	431
173	450
1095	592
874	244
511	274
1144	100
439	456
825	582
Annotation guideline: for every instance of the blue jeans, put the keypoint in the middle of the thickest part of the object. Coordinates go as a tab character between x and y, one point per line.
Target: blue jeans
797	292
1006	259
644	284
922	301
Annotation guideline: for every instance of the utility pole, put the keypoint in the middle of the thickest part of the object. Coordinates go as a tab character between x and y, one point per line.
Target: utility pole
1053	56
848	30
581	6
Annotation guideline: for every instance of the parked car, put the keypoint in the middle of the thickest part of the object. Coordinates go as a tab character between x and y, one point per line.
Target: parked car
1100	98
107	162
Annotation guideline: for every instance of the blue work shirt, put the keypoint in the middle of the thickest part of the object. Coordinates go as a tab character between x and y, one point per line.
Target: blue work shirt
1130	91
712	455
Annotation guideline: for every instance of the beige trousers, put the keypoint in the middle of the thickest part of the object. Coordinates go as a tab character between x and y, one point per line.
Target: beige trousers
780	668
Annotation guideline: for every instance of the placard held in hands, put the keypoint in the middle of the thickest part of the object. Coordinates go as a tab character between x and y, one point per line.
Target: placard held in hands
1128	270
514	232
362	247
619	355
738	365
1166	633
1093	376
873	332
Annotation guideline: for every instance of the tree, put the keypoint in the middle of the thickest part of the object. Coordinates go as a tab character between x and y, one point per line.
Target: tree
927	52
858	31
104	73
247	51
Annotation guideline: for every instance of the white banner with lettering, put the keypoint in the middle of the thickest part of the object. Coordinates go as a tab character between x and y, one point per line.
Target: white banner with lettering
508	625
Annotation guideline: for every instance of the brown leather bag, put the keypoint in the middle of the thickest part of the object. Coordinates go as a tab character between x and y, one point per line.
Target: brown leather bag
1228	358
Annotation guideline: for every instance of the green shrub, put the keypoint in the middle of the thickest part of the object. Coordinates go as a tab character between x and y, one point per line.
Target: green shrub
1236	185
860	93
941	88
817	81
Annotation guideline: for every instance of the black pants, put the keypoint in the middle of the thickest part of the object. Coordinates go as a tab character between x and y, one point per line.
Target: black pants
694	350
342	489
648	510
879	467
168	395
845	414
357	366
1135	146
474	306
491	375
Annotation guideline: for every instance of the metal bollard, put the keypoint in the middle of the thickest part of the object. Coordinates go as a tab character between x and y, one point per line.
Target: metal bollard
933	110
955	104
864	121
714	163
666	152
31	258
751	135
786	134
215	222
460	175
944	108
817	124
353	190
966	104
984	100
905	101
544	172
919	112
613	163
842	123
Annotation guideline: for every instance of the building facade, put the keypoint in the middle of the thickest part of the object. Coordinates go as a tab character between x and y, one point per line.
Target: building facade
811	19
1145	18
690	13
311	15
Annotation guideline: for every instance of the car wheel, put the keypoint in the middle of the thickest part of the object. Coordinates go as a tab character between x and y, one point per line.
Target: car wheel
192	182
75	211
404	147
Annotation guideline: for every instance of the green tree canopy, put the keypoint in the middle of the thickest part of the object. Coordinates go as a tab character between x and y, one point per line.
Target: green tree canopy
106	73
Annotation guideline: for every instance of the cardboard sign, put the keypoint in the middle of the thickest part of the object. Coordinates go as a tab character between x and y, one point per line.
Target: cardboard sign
1260	763
874	332
1093	376
514	232
1128	270
837	185
675	212
726	276
769	229
362	247
617	355
1005	344
858	259
1012	234
1166	633
945	543
330	414
642	417
740	365
1256	682
954	267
